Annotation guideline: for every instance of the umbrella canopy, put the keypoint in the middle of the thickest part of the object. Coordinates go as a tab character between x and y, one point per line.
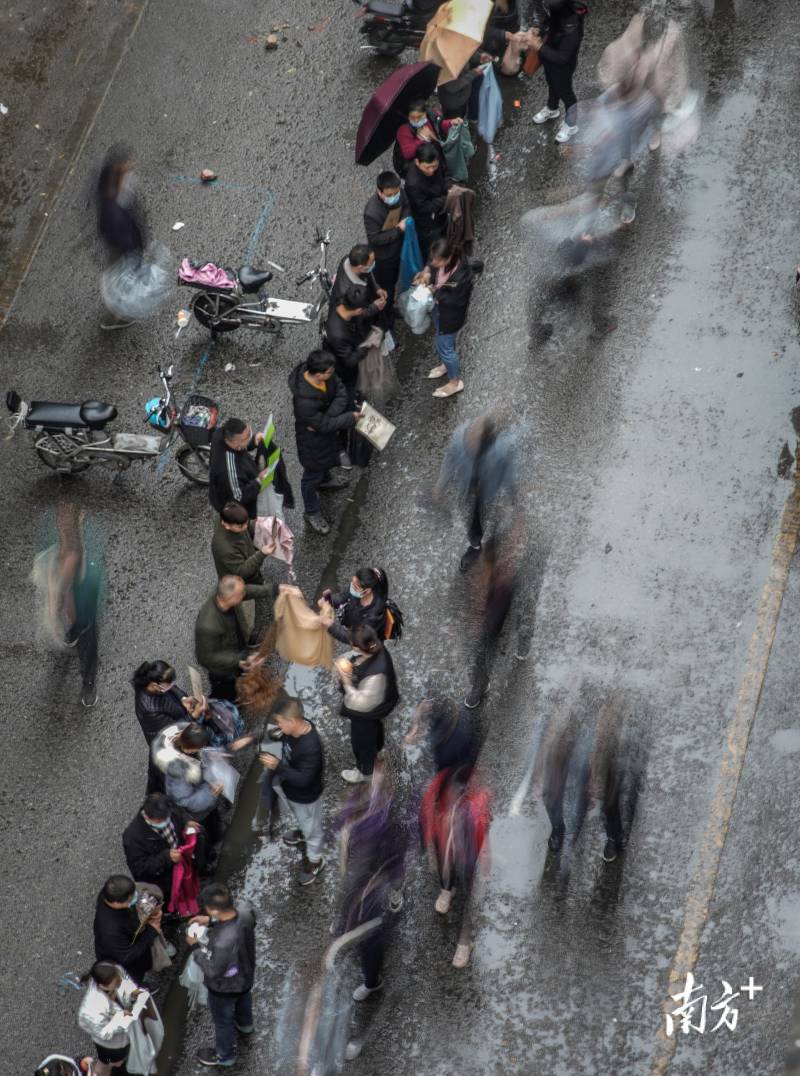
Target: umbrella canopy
453	34
387	109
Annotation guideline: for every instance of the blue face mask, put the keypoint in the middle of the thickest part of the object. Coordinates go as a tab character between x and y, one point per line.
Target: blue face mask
159	825
355	593
369	268
134	899
418	123
391	199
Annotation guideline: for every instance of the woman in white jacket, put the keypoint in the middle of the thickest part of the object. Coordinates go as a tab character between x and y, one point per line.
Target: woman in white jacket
105	1013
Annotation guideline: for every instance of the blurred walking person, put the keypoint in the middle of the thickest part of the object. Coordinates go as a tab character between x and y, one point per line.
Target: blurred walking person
455	815
119	224
369	688
228	963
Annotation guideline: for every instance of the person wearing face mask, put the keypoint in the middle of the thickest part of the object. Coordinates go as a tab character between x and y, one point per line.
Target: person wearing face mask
159	703
364	602
385	224
355	285
451	279
152	840
369	694
423	128
234	474
105	1014
426	186
118	934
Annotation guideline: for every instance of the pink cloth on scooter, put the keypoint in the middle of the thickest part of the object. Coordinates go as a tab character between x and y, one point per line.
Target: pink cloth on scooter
209	274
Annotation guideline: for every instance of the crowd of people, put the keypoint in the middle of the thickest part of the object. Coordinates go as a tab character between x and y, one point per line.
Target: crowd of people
168	899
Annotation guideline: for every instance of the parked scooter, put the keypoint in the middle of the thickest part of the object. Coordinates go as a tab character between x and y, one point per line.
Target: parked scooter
69	438
394	25
227	306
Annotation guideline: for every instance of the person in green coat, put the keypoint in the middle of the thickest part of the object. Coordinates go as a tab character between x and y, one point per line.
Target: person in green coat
221	636
235	552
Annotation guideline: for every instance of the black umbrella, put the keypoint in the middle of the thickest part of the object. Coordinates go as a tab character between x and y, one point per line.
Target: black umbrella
387	109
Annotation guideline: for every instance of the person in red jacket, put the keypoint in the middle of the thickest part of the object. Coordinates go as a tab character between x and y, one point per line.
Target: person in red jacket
421	128
455	814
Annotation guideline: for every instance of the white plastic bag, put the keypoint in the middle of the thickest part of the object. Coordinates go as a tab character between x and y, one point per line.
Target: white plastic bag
415	305
135	287
191	979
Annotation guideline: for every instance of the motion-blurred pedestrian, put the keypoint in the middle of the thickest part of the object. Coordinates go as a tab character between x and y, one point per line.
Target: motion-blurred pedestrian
297	780
369	687
451	280
221	635
493	587
364	602
455	815
320	412
561	23
450	732
119	936
228	963
119	222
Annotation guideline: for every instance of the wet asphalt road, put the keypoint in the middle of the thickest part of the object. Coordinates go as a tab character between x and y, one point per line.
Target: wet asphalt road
652	498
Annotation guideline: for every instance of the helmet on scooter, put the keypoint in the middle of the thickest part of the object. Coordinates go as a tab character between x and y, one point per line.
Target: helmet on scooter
157	414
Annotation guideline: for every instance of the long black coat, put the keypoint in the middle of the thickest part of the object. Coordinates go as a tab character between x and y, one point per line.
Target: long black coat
147	851
427	196
387	243
343	339
452	300
115	939
318	417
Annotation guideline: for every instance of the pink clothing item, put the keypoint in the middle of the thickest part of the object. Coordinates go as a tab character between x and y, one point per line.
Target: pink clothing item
443	275
408	139
210	275
270	529
185	879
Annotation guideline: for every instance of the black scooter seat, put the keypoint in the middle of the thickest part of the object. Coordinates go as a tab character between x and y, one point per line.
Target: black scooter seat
89	415
251	279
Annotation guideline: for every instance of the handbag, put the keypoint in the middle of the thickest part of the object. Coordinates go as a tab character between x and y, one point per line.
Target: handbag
376	376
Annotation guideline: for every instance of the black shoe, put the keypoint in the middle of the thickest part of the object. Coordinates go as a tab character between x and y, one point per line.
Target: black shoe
293	838
471	554
474	696
610	851
244	1030
88	695
318	523
309	870
339	482
555	841
208	1056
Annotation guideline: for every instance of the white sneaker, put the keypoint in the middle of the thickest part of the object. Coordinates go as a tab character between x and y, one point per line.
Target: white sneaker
545	114
565	132
443	901
354	776
361	993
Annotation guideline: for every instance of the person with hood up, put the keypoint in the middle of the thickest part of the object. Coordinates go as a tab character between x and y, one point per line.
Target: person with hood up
561	22
178	752
320	412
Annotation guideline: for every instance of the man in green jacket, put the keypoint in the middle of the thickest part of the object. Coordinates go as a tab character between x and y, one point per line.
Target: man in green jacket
221	635
235	552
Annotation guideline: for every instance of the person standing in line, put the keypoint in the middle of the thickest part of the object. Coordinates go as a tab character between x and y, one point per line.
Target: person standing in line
369	687
221	636
228	964
426	187
355	286
364	602
297	780
159	703
105	1014
235	553
118	934
451	279
235	475
562	24
320	412
151	842
385	216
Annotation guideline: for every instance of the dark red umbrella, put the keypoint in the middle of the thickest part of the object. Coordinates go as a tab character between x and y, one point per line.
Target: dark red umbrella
387	109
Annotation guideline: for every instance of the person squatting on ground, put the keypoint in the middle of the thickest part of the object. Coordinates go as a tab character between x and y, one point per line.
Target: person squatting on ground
296	778
369	689
228	963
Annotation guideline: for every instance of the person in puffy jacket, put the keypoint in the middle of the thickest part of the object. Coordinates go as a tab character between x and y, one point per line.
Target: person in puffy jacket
451	279
320	412
105	1014
364	602
228	964
369	689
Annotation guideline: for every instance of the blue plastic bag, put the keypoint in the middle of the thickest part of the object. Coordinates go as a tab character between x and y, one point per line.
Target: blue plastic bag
491	106
411	261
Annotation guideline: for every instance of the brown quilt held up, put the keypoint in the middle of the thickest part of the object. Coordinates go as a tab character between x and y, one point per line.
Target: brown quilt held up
302	636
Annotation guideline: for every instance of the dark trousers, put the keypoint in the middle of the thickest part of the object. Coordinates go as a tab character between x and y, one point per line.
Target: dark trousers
613	818
223	687
228	1010
371	954
559	88
386	276
87	654
155	778
309	487
475	531
366	738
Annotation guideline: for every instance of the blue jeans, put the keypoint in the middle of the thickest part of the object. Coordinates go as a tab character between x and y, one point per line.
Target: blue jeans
446	349
309	487
226	1011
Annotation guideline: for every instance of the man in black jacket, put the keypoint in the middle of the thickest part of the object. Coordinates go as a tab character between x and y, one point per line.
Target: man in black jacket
385	217
320	411
151	842
297	781
562	23
235	475
228	964
118	935
426	187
